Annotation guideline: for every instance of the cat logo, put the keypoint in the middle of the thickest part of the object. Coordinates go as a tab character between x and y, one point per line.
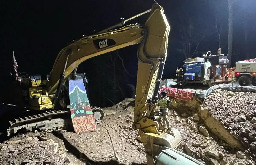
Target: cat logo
104	43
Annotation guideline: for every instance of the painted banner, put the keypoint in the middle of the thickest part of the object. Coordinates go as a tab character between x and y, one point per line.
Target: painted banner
81	112
177	93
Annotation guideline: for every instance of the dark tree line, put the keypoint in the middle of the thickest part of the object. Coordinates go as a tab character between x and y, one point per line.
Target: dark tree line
197	27
38	32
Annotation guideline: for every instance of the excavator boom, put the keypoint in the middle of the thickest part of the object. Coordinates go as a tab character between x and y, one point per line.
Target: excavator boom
153	39
85	48
152	55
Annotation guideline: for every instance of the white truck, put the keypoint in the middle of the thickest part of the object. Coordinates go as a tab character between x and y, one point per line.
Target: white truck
245	72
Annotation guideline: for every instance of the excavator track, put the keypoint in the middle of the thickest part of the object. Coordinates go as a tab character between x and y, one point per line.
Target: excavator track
46	120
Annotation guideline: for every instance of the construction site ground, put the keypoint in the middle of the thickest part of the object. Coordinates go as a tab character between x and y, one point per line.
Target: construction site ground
114	141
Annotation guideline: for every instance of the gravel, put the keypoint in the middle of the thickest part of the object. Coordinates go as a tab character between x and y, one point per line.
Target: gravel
237	112
33	149
114	141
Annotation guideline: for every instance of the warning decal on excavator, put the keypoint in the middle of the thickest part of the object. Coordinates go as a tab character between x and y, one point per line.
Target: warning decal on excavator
103	43
81	112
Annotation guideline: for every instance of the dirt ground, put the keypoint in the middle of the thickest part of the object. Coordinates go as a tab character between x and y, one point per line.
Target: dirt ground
114	142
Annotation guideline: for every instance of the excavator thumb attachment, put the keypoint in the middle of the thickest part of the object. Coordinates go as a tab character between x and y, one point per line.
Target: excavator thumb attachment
171	139
161	149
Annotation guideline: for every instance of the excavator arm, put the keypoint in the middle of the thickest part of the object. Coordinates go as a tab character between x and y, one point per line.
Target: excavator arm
151	59
153	40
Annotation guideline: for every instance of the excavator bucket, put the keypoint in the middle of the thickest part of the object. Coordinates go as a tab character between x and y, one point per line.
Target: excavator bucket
171	139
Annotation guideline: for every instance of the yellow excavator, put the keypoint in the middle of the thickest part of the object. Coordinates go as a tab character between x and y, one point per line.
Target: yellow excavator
152	37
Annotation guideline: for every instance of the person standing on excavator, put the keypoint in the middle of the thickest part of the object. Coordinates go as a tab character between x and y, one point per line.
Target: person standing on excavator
163	105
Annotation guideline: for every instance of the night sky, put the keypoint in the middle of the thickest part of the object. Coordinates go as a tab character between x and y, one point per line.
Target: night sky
38	30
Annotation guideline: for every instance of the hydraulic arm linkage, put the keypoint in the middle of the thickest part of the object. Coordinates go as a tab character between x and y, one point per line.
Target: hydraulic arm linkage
152	55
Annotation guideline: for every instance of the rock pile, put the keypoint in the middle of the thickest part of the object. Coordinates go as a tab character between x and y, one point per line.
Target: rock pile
237	112
114	141
199	143
31	149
